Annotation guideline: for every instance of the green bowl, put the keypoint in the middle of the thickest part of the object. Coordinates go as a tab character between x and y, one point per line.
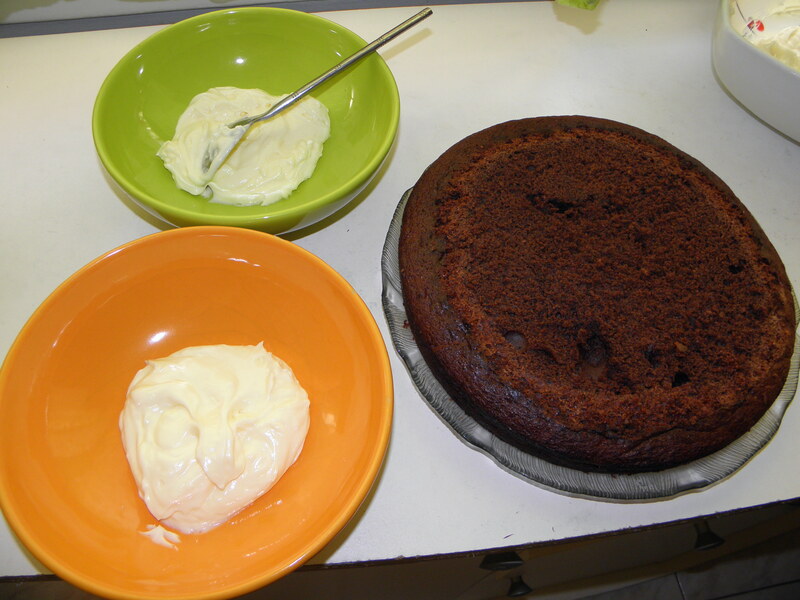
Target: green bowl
275	49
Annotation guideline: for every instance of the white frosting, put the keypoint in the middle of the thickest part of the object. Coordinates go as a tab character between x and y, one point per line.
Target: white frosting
209	429
163	537
773	26
271	160
783	45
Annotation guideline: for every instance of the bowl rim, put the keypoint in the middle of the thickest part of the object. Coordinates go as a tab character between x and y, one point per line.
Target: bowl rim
368	478
269	212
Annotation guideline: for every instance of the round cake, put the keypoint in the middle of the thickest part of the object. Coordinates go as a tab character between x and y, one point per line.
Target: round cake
594	296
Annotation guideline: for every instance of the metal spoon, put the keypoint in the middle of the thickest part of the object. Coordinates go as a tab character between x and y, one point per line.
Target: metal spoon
224	141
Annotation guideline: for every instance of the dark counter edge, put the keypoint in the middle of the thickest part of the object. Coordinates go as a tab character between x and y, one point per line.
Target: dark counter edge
790	504
10	30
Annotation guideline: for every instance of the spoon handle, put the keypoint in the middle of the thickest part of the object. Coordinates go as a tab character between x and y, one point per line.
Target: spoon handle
297	95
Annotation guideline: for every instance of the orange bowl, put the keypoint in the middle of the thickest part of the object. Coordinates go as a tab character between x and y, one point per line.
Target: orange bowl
65	485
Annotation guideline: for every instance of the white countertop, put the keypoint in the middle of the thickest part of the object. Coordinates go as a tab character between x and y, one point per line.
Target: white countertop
644	62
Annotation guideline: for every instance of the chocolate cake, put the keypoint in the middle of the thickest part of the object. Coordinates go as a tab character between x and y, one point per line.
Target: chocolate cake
593	295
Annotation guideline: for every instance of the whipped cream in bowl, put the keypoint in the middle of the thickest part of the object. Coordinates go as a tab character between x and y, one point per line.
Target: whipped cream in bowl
208	430
773	26
65	382
755	51
270	159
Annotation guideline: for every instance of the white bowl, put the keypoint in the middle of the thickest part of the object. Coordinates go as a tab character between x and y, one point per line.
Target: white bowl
764	85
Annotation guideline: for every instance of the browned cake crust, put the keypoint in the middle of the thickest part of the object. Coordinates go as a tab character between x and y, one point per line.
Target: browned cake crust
593	295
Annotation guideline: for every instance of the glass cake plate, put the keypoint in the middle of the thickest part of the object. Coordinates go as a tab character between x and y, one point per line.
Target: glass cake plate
615	487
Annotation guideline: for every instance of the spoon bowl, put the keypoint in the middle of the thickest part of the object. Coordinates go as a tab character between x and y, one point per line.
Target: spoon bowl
274	49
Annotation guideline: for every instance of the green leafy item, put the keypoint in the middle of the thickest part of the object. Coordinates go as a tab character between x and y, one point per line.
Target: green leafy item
587	4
